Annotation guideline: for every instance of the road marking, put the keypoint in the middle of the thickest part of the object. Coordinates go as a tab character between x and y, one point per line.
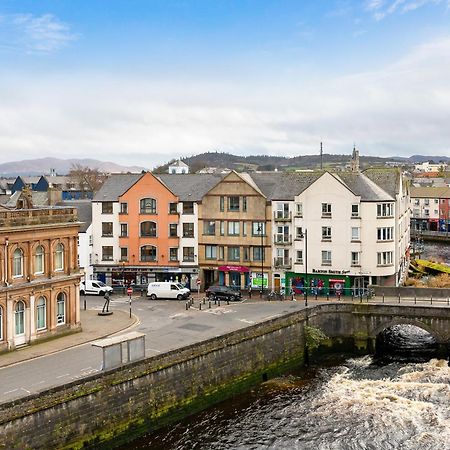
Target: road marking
271	317
26	390
61	376
40	382
10	392
153	349
85	368
246	321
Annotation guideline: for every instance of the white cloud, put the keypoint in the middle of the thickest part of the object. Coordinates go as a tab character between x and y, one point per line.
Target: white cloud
34	34
400	109
383	8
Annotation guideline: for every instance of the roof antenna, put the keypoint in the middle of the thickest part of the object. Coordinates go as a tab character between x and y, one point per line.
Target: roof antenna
321	156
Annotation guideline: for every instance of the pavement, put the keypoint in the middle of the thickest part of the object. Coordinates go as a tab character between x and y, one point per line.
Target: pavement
93	327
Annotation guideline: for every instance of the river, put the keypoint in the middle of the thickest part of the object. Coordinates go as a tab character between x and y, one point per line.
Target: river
399	401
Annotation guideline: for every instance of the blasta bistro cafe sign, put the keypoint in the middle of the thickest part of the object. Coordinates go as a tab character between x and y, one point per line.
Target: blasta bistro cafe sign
331	271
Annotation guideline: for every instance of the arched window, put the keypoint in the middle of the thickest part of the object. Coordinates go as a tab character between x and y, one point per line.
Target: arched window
17	266
41	314
148	229
39	259
59	257
19	318
61	308
148	206
148	253
1	323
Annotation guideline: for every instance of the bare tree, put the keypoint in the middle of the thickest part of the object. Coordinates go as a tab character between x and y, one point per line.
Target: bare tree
87	179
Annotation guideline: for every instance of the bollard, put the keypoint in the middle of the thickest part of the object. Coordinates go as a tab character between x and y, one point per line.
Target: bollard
85	303
353	296
399	297
328	296
383	297
360	298
431	299
448	301
218	302
228	301
215	301
204	300
415	299
187	306
199	306
209	304
315	296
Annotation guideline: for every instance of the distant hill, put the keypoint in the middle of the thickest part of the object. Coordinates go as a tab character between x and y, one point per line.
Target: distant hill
42	166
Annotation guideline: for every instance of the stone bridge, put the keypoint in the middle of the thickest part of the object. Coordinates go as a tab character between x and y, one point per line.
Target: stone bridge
361	323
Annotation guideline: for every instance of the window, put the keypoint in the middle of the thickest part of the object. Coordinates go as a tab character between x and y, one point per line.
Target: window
188	254
234	253
222	228
107	229
210	252
90	239
1	323
188	230
427	212
221	203
173	208
282	211
436	200
244	228
123	208
385	210
416	202
385	234
355	234
326	258
233	228
61	309
209	227
299	233
326	209
148	253
355	210
427	202
233	203
107	253
299	257
107	207
173	254
148	206
19	318
123	230
246	253
17	266
384	258
258	228
124	253
244	204
355	259
148	229
221	252
188	207
326	233
173	230
39	259
258	253
299	209
41	314
59	257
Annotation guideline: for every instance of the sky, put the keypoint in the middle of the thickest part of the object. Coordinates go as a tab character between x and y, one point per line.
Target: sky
140	82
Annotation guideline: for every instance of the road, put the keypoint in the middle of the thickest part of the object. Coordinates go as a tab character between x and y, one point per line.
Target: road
167	326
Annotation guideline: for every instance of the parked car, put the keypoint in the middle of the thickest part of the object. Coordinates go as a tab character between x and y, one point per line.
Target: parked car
167	289
223	293
94	287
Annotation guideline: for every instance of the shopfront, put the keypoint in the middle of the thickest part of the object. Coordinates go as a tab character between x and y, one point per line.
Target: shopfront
320	283
238	276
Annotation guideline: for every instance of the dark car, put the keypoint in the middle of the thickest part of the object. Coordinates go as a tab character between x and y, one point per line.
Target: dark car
223	293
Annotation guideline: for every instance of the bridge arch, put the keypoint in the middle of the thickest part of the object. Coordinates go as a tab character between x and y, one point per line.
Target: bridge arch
384	324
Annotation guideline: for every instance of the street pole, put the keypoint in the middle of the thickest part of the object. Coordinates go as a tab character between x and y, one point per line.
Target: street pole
306	267
130	304
262	260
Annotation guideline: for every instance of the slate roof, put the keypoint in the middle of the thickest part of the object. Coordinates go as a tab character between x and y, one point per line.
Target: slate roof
363	186
84	210
115	186
387	178
38	199
429	192
191	187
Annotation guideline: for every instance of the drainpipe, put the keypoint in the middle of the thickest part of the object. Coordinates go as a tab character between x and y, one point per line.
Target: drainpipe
5	274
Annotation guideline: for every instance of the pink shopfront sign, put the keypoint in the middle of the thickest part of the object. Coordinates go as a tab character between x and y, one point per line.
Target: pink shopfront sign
234	269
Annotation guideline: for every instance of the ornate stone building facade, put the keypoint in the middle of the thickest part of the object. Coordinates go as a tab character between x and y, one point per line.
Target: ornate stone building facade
39	292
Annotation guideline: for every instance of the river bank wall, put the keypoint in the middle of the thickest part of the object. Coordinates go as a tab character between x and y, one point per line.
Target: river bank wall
107	409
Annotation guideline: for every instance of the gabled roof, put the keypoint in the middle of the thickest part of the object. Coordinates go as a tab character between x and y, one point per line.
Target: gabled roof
430	192
178	163
115	186
387	178
190	187
363	186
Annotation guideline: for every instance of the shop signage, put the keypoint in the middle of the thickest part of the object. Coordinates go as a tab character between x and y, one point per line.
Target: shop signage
331	271
234	269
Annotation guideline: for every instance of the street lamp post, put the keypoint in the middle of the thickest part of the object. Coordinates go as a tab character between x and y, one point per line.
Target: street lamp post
260	230
305	233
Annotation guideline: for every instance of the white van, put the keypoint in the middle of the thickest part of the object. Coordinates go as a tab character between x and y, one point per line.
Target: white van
167	289
94	287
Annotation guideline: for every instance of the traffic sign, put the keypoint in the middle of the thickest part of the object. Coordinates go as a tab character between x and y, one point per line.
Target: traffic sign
129	291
